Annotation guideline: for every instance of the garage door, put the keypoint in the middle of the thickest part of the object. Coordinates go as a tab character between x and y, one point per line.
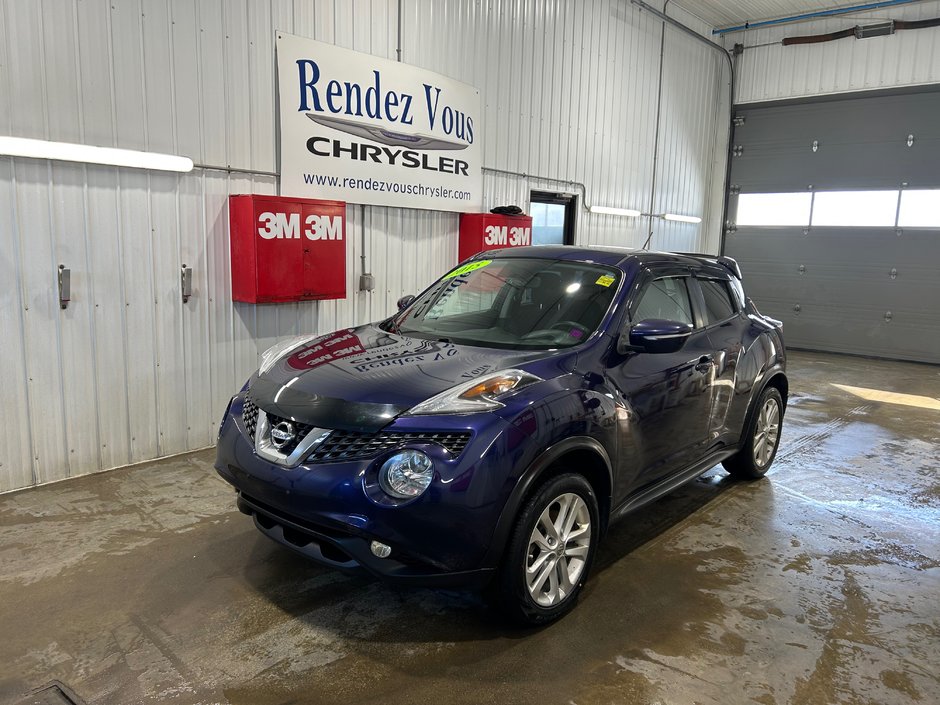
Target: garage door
835	219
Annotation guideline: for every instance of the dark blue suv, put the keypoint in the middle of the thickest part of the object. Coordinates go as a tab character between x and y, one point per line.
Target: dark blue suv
490	431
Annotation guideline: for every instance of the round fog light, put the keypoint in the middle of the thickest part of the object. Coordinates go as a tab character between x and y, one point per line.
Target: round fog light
380	550
406	474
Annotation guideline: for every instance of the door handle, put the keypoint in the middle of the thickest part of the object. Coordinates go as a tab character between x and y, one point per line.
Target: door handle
704	362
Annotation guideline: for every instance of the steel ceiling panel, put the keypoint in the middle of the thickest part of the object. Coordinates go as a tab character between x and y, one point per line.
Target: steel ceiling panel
725	13
770	71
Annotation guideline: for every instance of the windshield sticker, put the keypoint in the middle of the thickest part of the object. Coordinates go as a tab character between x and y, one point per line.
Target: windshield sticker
468	268
605	280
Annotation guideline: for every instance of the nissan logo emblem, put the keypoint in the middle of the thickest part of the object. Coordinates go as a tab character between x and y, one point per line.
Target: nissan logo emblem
282	434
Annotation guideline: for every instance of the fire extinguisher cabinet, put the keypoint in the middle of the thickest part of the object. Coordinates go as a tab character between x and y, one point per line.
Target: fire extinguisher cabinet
487	231
287	249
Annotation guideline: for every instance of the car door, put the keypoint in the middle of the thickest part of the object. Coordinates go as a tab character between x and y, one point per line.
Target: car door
666	396
725	323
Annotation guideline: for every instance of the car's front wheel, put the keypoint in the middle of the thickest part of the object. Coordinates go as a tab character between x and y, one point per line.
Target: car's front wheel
550	552
761	439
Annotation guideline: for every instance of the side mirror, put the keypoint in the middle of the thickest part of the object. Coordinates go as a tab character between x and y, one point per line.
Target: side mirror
405	301
655	336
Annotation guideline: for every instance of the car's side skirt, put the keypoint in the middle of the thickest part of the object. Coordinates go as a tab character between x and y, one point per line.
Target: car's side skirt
668	484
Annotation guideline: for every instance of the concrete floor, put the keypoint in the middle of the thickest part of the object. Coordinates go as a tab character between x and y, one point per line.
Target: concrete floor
817	585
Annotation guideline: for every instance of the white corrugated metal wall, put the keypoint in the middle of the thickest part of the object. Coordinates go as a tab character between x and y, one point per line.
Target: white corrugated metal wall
769	71
128	372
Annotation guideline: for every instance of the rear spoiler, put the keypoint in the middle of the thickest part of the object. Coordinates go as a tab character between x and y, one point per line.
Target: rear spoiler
728	263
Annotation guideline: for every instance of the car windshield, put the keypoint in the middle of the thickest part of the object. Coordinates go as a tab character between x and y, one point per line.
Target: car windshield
515	303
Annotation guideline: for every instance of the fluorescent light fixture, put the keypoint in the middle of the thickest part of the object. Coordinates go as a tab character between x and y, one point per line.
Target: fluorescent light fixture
682	218
69	152
629	212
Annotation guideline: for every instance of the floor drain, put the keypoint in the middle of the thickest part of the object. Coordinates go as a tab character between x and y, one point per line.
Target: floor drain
54	693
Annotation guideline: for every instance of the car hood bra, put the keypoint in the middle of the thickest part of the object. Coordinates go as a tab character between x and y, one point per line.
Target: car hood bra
359	379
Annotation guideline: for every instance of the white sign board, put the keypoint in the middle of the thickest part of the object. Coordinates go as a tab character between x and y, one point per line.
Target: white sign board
358	128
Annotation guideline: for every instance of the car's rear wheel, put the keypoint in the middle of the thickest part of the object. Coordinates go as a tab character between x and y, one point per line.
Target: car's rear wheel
762	438
550	552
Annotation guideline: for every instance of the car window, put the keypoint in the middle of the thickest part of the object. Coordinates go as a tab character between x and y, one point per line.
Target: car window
719	305
470	296
518	303
666	299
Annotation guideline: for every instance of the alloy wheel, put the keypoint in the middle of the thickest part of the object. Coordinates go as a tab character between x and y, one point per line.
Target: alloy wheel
766	432
558	548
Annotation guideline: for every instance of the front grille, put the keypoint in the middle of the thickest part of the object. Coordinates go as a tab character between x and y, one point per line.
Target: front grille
300	432
348	445
351	445
250	416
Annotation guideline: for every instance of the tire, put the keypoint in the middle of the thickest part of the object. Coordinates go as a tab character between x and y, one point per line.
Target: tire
531	587
762	438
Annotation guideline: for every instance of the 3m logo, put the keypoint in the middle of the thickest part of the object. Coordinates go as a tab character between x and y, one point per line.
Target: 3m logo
286	226
514	237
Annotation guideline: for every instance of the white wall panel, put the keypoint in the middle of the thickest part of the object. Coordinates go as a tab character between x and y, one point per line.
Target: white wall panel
773	72
105	290
76	324
688	137
128	371
16	462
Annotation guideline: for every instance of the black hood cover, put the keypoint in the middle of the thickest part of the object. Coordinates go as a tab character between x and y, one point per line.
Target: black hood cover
359	379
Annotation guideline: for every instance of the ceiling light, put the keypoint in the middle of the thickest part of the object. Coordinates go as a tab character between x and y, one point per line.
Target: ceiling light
69	152
682	218
629	212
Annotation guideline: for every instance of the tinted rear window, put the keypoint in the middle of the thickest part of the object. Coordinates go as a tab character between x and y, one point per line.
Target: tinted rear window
718	302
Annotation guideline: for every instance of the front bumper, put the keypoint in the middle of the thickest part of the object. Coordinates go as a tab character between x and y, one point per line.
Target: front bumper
349	553
322	512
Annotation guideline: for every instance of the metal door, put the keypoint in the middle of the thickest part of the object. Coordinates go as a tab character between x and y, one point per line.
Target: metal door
668	394
855	289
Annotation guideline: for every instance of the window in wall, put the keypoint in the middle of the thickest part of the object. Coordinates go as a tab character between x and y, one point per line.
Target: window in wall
774	208
919	209
718	303
666	299
878	209
855	208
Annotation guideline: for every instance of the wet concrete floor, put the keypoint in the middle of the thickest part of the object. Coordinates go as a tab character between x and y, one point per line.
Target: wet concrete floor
819	584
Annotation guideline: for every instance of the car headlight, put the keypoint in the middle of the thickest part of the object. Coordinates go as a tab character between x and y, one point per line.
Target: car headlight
278	350
406	474
477	395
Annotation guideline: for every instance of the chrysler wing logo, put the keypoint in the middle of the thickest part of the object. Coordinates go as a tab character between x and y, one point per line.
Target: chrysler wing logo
282	434
380	134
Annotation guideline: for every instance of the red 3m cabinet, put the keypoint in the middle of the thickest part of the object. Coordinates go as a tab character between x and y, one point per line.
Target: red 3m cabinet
488	231
287	249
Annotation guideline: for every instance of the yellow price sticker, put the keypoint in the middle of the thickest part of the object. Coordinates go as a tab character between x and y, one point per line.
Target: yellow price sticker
605	280
472	266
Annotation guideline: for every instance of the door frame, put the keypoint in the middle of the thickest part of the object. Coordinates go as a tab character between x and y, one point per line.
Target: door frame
569	201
